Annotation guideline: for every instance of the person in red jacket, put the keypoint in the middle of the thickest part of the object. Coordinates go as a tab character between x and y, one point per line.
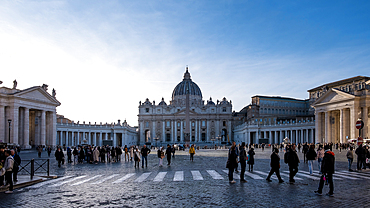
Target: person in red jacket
327	170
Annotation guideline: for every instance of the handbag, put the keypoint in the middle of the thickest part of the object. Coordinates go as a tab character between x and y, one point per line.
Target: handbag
2	171
228	163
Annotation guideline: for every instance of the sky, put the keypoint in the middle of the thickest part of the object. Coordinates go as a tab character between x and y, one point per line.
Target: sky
103	57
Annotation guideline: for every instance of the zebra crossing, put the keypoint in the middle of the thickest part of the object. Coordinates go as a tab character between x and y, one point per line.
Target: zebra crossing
193	175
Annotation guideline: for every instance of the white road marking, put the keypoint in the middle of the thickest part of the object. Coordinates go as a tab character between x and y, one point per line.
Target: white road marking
179	176
196	175
160	176
343	176
354	174
127	176
105	179
254	176
143	177
318	175
214	174
49	181
86	180
307	176
64	182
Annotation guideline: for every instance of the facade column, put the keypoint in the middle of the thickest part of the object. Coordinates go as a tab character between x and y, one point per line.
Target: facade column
327	127
207	136
2	124
26	130
164	131
307	139
270	137
365	120
302	139
281	137
114	139
196	131
14	125
95	141
341	126
318	127
181	131
172	130
43	127
153	132
275	138
78	138
175	128
353	121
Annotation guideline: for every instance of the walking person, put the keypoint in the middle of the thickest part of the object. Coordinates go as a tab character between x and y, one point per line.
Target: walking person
275	166
39	151
2	162
168	153
305	150
237	155
242	161
192	152
251	154
160	155
126	153
75	155
96	154
320	155
327	170
69	154
49	151
131	152
113	154
59	156
173	151
350	158
231	162
311	157
145	151
137	158
9	164
293	162
361	158
17	163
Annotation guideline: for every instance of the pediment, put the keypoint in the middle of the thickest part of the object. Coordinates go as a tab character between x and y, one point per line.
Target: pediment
37	94
333	96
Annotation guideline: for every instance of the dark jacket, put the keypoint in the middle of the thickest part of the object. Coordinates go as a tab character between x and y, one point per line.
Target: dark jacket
275	161
251	157
145	151
361	152
59	155
242	154
293	159
168	152
328	162
232	159
311	154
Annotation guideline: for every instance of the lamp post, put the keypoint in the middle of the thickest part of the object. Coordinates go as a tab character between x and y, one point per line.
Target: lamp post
10	122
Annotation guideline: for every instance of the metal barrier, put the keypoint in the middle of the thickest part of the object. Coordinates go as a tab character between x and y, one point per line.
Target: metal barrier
30	168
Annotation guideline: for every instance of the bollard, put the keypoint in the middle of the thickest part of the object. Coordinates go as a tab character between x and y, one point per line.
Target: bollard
32	168
48	171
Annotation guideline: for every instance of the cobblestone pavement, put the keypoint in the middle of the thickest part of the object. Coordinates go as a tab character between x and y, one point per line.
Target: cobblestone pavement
202	183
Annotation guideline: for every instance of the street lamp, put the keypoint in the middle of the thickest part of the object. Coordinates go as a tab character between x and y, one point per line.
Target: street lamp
10	122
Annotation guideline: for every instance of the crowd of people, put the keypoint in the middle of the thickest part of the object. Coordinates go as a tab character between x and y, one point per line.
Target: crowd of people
9	166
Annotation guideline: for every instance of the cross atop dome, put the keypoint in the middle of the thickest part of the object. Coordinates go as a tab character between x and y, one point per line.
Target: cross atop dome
187	74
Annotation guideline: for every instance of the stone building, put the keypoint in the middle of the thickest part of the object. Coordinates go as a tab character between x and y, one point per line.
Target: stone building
29	114
186	119
70	133
270	119
338	106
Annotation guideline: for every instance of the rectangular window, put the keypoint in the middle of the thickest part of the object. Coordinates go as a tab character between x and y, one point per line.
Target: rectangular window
147	110
203	123
224	123
147	124
203	136
168	123
223	109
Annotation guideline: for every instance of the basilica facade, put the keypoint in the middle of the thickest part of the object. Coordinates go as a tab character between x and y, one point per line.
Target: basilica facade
186	119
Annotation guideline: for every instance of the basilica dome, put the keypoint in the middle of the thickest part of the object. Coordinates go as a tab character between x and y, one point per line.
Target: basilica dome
187	86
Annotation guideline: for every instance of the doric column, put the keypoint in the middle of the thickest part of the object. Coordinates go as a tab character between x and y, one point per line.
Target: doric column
175	128
181	131
14	126
172	131
281	136
307	139
196	131
43	127
163	131
115	139
318	127
353	120
95	141
365	120
341	126
327	128
78	138
2	124
270	137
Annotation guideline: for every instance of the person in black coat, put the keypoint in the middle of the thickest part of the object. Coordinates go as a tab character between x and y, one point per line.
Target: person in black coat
243	161
59	156
275	166
327	170
293	162
361	157
17	163
168	153
232	162
251	158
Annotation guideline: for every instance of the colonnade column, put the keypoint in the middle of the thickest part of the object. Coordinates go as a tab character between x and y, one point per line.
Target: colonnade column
163	131
341	126
196	131
43	127
318	127
327	128
14	126
275	139
281	136
175	128
2	124
270	137
307	139
365	120
26	130
353	119
181	131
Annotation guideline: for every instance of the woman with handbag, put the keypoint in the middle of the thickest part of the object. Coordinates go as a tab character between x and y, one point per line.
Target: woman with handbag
231	163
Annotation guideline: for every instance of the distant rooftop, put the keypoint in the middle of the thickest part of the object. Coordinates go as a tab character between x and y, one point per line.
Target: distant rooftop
340	82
